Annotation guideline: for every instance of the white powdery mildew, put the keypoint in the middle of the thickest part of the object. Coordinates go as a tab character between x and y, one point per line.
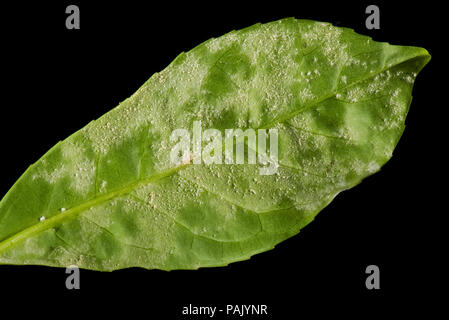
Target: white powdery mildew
216	44
353	61
154	227
51	175
373	167
31	246
396	107
114	127
358	166
308	76
306	95
162	153
269	40
69	258
327	38
79	165
274	44
364	91
74	164
362	168
183	80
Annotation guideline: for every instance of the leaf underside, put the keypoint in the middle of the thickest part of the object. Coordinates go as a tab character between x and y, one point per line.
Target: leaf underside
109	198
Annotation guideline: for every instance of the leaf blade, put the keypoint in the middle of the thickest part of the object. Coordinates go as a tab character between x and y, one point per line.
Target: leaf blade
127	205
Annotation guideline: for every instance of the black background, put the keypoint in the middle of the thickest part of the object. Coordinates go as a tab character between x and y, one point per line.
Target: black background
57	80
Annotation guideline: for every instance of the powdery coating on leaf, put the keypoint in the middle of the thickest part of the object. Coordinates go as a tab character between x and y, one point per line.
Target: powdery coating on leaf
112	199
74	165
328	38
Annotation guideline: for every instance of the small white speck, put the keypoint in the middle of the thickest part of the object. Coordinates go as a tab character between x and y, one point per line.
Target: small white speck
42	218
62	209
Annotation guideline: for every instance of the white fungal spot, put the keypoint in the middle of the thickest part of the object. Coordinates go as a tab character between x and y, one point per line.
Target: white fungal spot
373	167
75	165
328	38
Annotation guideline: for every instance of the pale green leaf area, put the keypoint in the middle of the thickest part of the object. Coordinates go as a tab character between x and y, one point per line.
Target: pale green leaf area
108	196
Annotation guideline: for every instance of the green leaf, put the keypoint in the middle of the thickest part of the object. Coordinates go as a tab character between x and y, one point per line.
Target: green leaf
108	197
